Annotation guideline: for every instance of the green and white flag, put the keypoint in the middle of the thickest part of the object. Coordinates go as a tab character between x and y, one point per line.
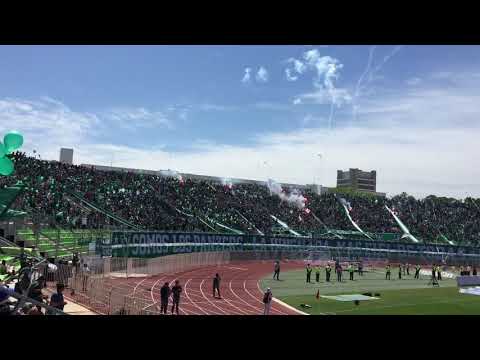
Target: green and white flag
406	232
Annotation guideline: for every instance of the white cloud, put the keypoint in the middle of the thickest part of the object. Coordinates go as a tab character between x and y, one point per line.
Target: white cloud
297	101
327	71
413	81
323	96
421	140
133	118
290	77
262	75
298	67
247	75
215	107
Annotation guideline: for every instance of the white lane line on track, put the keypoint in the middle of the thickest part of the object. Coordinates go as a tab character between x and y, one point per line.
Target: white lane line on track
188	297
241	301
136	286
203	294
257	310
236	268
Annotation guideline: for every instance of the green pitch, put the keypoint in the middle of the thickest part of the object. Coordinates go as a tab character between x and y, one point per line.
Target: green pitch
408	296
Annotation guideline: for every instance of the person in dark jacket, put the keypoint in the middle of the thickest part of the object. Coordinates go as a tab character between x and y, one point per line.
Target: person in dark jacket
35	291
276	270
417	272
164	295
216	285
339	273
176	290
56	300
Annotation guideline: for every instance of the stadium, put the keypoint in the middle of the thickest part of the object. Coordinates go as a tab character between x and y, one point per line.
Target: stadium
102	240
189	230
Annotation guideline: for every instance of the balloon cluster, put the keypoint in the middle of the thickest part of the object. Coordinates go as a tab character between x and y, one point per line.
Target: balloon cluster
11	142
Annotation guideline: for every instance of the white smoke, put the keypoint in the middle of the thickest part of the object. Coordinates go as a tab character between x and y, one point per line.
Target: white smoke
346	204
227	182
172	173
295	198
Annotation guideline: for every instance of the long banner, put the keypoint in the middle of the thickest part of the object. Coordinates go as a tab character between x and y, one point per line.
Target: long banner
157	243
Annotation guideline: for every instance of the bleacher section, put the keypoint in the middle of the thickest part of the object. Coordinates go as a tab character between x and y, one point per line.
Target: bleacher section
68	241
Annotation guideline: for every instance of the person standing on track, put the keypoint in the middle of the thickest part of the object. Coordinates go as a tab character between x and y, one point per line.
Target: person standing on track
360	268
408	269
164	295
387	273
309	273
439	272
328	271
176	290
339	273
267	300
433	272
417	272
399	271
216	285
276	270
351	271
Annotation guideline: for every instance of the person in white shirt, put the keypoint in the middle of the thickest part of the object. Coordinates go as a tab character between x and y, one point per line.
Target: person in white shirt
267	300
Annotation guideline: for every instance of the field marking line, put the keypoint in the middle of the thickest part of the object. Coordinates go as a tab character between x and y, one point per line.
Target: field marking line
236	268
291	307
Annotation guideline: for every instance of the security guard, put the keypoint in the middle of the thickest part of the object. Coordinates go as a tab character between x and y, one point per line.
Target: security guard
417	271
309	273
388	272
317	273
351	270
328	271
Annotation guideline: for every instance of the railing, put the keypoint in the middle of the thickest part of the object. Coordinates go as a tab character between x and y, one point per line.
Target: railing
100	288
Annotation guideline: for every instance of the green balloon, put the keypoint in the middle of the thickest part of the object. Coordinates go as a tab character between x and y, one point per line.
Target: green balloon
3	151
6	166
13	141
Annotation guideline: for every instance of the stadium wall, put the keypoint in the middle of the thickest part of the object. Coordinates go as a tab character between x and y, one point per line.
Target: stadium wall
154	244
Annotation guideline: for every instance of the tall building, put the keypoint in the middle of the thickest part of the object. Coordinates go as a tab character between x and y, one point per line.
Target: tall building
66	156
357	179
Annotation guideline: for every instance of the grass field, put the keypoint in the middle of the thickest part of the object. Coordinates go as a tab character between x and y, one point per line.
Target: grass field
397	297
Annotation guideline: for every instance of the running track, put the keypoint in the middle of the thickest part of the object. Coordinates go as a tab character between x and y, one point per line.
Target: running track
240	289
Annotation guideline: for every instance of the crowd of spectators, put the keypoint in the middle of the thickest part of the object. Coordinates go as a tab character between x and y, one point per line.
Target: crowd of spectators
169	203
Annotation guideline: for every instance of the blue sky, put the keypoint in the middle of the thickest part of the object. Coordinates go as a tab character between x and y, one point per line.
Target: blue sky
411	112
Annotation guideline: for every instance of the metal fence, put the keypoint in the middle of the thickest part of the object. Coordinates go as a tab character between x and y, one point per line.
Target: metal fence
100	285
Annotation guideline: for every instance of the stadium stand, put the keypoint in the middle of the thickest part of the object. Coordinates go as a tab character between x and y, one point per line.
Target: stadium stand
77	199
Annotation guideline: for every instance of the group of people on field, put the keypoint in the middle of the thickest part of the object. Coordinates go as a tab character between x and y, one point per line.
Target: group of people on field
351	268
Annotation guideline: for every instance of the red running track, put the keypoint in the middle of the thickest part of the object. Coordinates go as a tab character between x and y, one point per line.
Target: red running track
240	289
